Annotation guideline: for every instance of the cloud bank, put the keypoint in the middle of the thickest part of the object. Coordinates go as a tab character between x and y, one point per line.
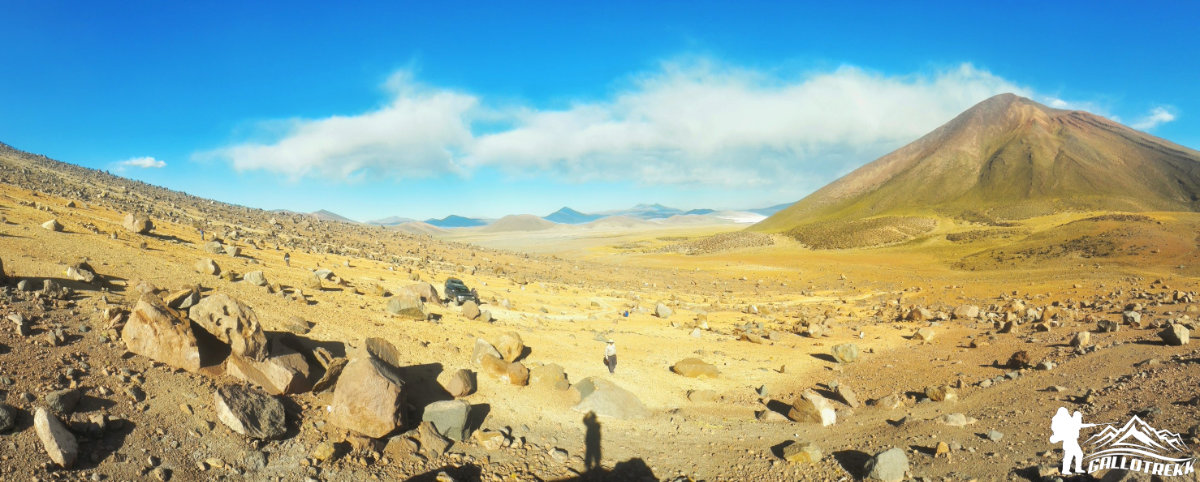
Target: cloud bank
146	162
688	122
1156	117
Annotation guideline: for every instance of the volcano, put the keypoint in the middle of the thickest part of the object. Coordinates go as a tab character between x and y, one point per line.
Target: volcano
1006	158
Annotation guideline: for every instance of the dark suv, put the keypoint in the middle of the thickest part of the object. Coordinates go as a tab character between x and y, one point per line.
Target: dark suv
458	292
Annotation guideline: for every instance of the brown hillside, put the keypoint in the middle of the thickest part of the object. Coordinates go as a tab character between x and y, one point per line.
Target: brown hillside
1008	157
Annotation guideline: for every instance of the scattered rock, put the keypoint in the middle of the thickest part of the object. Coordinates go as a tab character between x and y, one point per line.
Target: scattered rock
368	398
232	322
137	223
432	442
256	278
1175	335
408	305
956	420
461	383
510	346
845	353
470	310
994	435
661	311
449	418
924	334
52	225
1018	360
63	401
1082	339
966	312
249	412
59	442
695	368
889	465
207	266
482	347
1107	326
517	374
158	333
812	407
383	351
847	395
551	376
802	453
607	399
8	417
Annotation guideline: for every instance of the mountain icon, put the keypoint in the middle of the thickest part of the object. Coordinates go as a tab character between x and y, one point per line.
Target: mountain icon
1137	438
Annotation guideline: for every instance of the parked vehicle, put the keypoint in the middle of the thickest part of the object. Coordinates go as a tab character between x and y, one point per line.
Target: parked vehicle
458	292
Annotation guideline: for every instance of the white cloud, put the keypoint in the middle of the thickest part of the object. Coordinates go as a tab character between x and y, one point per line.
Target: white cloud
419	133
703	122
1156	117
146	162
690	122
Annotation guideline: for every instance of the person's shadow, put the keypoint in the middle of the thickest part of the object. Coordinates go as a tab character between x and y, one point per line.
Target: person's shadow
591	442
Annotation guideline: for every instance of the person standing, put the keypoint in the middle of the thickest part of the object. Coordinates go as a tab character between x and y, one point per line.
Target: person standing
287	259
610	356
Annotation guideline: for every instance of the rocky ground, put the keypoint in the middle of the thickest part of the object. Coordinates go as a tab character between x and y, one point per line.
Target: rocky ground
131	348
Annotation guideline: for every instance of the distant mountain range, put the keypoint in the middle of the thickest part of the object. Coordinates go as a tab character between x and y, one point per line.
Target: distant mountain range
565	215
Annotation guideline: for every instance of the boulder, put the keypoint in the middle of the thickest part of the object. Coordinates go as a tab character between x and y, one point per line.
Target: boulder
695	368
941	393
661	311
461	383
214	247
482	347
924	334
63	401
919	314
607	399
182	299
449	418
516	374
889	465
550	376
1107	326
207	266
1132	318
368	398
8	417
52	225
470	310
284	371
137	223
232	322
510	346
812	407
847	395
81	271
311	281
1081	339
298	325
956	420
432	442
802	453
425	291
256	278
158	333
965	312
383	351
1175	334
333	370
407	305
1018	360
59	442
845	353
250	412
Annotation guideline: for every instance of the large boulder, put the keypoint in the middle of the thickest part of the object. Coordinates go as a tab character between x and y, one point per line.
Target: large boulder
550	376
812	407
449	417
889	465
250	412
214	247
284	371
482	347
137	223
256	278
207	266
158	333
425	291
470	310
59	442
407	304
845	353
607	399
1175	334
461	383
368	398
52	225
510	346
695	368
232	322
966	312
383	350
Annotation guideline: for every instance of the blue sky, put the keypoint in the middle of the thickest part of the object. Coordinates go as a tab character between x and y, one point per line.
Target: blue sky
484	109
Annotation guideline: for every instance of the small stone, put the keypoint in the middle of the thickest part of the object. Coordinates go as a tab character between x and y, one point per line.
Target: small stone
994	435
802	453
58	442
845	353
889	465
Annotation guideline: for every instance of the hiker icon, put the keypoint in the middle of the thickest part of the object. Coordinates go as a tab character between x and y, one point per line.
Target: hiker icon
1065	428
